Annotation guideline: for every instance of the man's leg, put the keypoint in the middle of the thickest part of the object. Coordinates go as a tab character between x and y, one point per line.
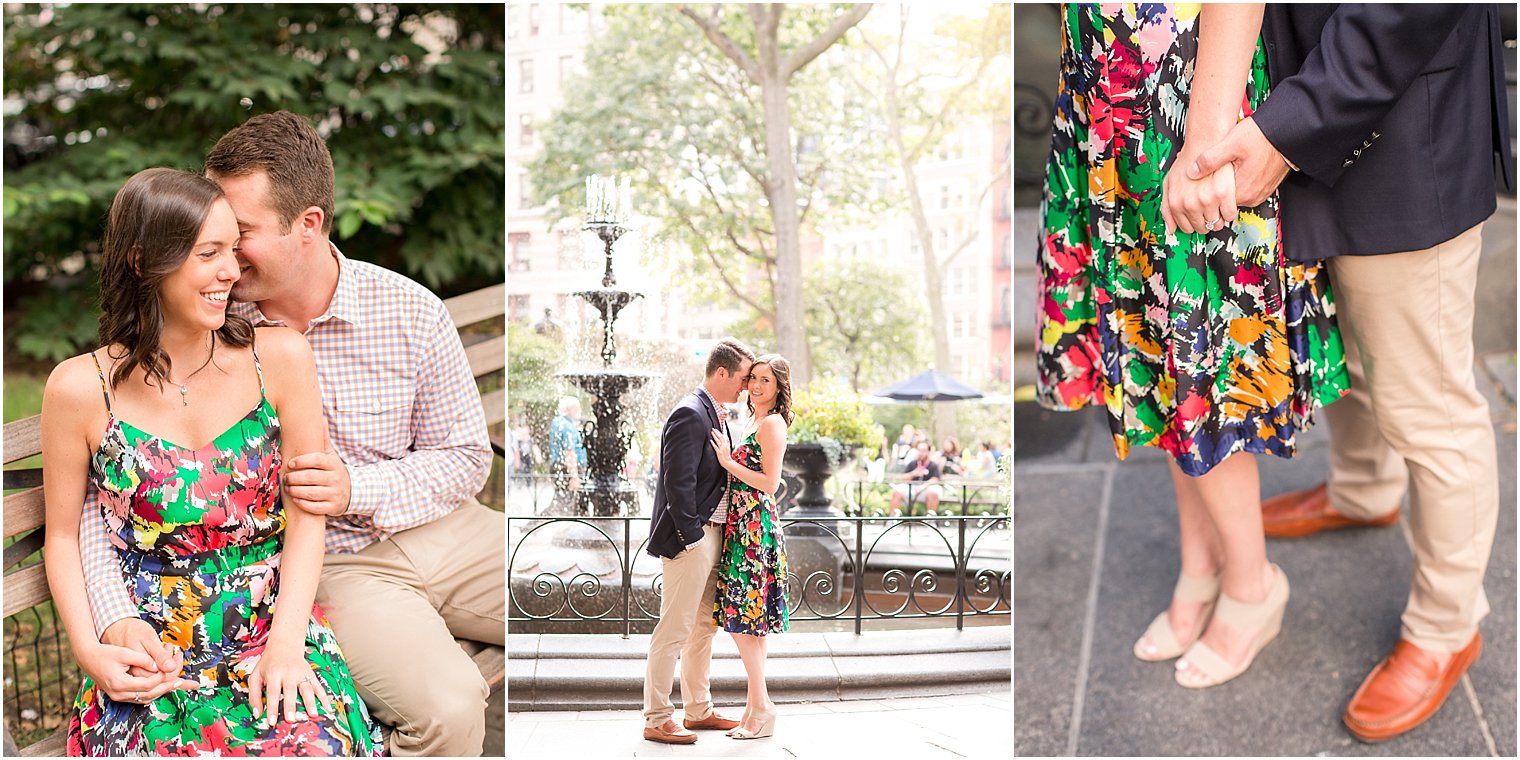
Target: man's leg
696	657
1413	315
393	619
1367	477
687	583
462	563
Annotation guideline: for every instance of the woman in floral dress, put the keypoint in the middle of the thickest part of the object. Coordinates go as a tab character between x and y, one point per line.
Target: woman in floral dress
1175	311
751	595
220	571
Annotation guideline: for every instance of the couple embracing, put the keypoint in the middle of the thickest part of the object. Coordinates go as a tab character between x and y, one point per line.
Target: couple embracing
1251	213
716	530
261	524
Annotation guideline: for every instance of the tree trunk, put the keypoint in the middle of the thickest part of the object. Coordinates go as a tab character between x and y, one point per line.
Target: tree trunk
939	327
781	192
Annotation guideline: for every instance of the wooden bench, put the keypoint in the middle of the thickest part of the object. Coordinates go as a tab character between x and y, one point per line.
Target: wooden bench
27	587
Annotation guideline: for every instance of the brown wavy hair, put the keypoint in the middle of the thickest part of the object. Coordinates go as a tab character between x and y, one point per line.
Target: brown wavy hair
291	152
154	221
782	369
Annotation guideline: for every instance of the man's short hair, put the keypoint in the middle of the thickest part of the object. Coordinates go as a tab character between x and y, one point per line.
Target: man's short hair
289	150
567	403
728	353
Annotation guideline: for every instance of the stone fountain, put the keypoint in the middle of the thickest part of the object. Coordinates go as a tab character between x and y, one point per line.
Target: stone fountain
605	491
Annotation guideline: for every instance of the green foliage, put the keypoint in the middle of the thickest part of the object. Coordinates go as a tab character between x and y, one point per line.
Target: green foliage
416	130
865	323
532	361
828	409
23	395
660	104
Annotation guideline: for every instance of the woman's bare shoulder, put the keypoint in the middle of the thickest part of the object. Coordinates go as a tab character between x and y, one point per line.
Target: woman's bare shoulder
75	384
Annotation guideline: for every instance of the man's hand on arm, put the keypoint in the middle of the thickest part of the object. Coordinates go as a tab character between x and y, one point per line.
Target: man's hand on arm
317	483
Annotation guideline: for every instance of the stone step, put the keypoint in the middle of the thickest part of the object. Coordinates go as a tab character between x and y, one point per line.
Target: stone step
603	672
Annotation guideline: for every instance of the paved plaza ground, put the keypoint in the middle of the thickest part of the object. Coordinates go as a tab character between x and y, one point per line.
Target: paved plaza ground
922	728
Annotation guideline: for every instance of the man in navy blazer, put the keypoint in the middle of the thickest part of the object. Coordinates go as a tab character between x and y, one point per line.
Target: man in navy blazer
1380	134
686	533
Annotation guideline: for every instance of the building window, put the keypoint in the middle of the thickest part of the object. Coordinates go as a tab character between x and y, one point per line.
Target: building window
521	244
566	68
533	19
525	131
1007	251
1007	315
569	249
517	308
524	191
525	75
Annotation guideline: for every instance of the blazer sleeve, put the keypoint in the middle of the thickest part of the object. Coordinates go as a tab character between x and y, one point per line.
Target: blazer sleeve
680	453
1323	116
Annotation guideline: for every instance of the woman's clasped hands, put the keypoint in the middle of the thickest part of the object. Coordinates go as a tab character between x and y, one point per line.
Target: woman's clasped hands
1202	205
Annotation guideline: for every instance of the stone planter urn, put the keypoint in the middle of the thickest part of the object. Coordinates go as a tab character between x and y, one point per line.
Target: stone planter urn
806	467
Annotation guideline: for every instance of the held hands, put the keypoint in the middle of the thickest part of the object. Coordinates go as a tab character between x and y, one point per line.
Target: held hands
317	483
1259	167
283	677
1201	204
131	665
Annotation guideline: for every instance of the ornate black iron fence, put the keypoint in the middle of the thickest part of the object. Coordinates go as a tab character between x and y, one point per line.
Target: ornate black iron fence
593	574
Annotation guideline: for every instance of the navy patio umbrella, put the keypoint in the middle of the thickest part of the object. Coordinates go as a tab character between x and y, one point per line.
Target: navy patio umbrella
930	386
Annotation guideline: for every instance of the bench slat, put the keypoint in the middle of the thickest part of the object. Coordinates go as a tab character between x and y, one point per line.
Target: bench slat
492	662
495	404
23	438
55	745
23	548
23	511
487	356
478	305
25	588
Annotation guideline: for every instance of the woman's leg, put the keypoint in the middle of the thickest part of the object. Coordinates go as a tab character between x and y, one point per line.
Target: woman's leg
757	698
1231	494
1202	551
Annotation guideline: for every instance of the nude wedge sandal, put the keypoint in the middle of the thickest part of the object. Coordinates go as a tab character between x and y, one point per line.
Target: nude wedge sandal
1264	616
1190	588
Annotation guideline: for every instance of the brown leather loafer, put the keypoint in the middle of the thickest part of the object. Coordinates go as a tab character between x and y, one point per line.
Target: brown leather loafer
1303	513
1404	690
713	721
662	735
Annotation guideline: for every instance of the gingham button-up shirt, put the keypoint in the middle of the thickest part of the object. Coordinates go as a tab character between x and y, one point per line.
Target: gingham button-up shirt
402	412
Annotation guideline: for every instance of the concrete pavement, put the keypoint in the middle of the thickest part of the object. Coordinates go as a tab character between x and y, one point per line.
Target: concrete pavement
923	728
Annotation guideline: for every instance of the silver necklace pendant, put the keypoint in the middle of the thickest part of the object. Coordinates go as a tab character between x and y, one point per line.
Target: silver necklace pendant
184	394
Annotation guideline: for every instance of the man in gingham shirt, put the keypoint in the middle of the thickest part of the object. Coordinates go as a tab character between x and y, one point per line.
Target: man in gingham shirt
413	560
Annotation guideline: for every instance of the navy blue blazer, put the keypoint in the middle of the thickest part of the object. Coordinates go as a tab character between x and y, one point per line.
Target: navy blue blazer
691	481
1394	115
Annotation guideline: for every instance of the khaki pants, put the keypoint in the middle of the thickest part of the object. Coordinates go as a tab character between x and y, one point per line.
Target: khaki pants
396	607
685	629
1415	417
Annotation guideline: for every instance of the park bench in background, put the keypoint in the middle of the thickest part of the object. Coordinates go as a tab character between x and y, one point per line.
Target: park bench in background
478	314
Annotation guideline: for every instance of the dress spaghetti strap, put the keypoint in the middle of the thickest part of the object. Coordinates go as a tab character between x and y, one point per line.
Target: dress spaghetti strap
104	388
252	346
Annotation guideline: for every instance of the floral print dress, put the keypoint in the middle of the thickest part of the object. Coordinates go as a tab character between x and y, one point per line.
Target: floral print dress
1201	344
751	596
198	534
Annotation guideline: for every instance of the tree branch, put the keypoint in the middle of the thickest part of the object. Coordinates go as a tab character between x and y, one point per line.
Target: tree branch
803	55
725	44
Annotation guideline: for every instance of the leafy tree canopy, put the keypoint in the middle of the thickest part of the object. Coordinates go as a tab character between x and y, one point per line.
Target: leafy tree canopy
409	97
660	104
